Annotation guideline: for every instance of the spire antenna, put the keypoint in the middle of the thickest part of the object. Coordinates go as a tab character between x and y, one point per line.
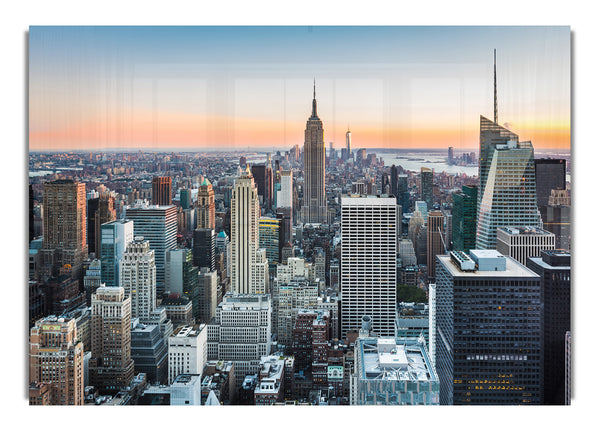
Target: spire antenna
495	92
314	103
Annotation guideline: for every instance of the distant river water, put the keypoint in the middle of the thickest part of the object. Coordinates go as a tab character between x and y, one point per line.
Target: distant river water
415	161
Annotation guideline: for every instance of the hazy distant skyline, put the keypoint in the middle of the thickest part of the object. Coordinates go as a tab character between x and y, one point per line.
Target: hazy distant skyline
210	87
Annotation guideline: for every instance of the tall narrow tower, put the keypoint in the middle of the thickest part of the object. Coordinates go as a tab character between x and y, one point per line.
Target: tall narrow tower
249	266
111	365
137	275
206	206
507	191
348	141
65	239
314	207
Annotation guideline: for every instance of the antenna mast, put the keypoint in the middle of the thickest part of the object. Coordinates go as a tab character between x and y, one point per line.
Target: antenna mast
495	92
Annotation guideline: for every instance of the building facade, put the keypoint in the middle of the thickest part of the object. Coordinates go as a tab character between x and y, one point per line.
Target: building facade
205	208
241	332
507	189
314	207
161	191
137	275
522	242
56	360
554	268
111	366
488	330
187	351
393	371
158	225
249	267
114	238
368	263
464	219
65	235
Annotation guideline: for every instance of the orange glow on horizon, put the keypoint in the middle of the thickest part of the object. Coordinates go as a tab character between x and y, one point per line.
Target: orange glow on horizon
164	129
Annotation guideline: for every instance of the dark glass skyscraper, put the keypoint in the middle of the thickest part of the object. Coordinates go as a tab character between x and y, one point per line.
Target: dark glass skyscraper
427	186
263	178
204	246
488	330
464	218
554	268
550	174
394	181
403	197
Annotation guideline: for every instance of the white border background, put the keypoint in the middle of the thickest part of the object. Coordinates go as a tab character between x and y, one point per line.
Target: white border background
13	90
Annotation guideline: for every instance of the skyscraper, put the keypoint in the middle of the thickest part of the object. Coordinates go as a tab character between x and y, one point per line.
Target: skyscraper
137	275
507	192
348	140
205	208
488	330
158	225
507	184
435	240
114	238
263	179
161	191
204	248
550	174
270	237
111	366
394	183
403	198
224	246
558	218
314	206
554	268
285	195
427	186
65	238
100	210
464	218
249	266
56	359
368	263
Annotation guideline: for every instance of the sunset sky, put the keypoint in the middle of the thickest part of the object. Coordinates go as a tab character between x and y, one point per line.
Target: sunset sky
215	87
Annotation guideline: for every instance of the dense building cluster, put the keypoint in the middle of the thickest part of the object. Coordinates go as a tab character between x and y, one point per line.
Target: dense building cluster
244	278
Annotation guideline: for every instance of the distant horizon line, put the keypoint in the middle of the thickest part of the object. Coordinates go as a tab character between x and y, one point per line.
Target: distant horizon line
253	149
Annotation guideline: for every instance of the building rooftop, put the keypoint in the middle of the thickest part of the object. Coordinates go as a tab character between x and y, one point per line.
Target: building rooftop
185	379
513	268
188	331
387	358
367	200
524	230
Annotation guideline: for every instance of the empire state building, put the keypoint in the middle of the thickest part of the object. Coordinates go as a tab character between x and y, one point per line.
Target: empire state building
314	207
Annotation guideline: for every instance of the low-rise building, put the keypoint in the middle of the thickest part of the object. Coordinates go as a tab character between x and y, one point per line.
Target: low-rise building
393	371
270	388
187	351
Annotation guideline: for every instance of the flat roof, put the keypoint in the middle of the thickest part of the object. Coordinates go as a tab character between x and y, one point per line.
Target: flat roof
368	200
546	265
388	358
524	230
513	268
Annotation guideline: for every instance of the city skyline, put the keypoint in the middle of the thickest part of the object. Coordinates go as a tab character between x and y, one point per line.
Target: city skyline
208	87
